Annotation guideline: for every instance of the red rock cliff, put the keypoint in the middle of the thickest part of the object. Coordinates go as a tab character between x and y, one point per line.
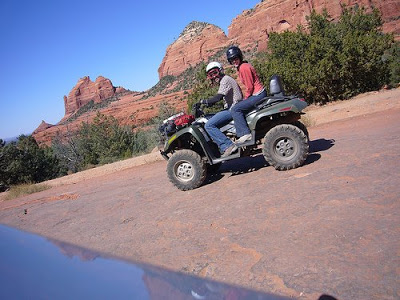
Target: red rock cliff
85	91
250	29
197	42
82	93
42	127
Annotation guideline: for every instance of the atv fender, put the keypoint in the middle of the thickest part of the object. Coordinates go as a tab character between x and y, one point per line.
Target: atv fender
294	106
186	133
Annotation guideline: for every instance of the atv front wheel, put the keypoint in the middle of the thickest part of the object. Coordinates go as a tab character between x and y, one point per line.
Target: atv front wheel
285	147
186	170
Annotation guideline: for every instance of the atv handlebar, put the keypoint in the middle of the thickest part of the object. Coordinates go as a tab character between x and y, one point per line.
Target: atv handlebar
196	110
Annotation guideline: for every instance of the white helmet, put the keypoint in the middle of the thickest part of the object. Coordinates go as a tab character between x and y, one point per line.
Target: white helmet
212	65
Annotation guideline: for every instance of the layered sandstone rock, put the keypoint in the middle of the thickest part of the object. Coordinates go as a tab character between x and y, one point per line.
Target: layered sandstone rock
43	126
250	29
81	94
86	90
131	109
197	42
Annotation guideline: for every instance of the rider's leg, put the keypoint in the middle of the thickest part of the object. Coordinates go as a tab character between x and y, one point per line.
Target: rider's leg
214	124
240	109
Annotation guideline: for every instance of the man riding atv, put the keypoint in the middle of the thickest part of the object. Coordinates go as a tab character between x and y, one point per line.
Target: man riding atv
230	92
275	128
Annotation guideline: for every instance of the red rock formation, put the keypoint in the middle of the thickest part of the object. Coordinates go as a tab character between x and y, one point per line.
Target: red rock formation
82	93
131	109
86	90
250	29
43	126
197	42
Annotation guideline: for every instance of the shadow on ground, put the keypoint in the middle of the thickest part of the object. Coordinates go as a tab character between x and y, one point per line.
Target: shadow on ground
316	146
237	166
250	164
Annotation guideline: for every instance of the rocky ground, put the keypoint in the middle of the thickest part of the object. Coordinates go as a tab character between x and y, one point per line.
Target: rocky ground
328	227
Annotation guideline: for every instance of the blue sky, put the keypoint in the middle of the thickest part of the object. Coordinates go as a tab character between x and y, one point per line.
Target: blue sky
47	46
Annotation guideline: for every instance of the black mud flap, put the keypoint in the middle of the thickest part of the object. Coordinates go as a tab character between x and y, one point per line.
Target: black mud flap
164	155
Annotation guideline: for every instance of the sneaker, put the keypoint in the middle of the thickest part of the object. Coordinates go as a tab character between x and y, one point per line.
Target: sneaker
244	138
232	148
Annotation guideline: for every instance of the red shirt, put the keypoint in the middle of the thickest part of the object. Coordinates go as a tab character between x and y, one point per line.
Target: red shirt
248	76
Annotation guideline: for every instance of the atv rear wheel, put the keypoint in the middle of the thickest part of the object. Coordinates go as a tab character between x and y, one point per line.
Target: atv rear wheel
285	147
186	170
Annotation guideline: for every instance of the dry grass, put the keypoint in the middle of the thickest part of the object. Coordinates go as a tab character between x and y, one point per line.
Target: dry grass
308	120
25	189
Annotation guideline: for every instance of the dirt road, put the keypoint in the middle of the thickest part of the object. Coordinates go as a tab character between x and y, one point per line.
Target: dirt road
331	226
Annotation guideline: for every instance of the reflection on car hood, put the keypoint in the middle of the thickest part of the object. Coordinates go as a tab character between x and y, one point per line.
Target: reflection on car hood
34	267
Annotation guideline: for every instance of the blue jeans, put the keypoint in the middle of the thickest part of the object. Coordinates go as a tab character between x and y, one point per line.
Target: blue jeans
214	124
239	110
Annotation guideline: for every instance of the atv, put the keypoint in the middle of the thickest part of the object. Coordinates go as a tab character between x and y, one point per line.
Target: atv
276	132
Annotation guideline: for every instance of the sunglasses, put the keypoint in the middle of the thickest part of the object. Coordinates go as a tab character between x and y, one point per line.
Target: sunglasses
212	73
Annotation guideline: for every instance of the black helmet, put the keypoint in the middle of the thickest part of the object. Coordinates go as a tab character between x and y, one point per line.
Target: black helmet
233	52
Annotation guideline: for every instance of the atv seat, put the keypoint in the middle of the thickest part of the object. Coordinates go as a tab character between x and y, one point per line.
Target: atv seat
267	101
277	93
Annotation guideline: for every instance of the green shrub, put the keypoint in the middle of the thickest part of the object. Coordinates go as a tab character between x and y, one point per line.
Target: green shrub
392	56
331	60
100	142
24	161
105	141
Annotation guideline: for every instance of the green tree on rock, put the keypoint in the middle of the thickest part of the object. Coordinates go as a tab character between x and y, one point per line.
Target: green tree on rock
328	60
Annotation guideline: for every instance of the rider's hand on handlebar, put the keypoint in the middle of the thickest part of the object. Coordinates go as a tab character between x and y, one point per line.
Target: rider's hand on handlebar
196	106
204	102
